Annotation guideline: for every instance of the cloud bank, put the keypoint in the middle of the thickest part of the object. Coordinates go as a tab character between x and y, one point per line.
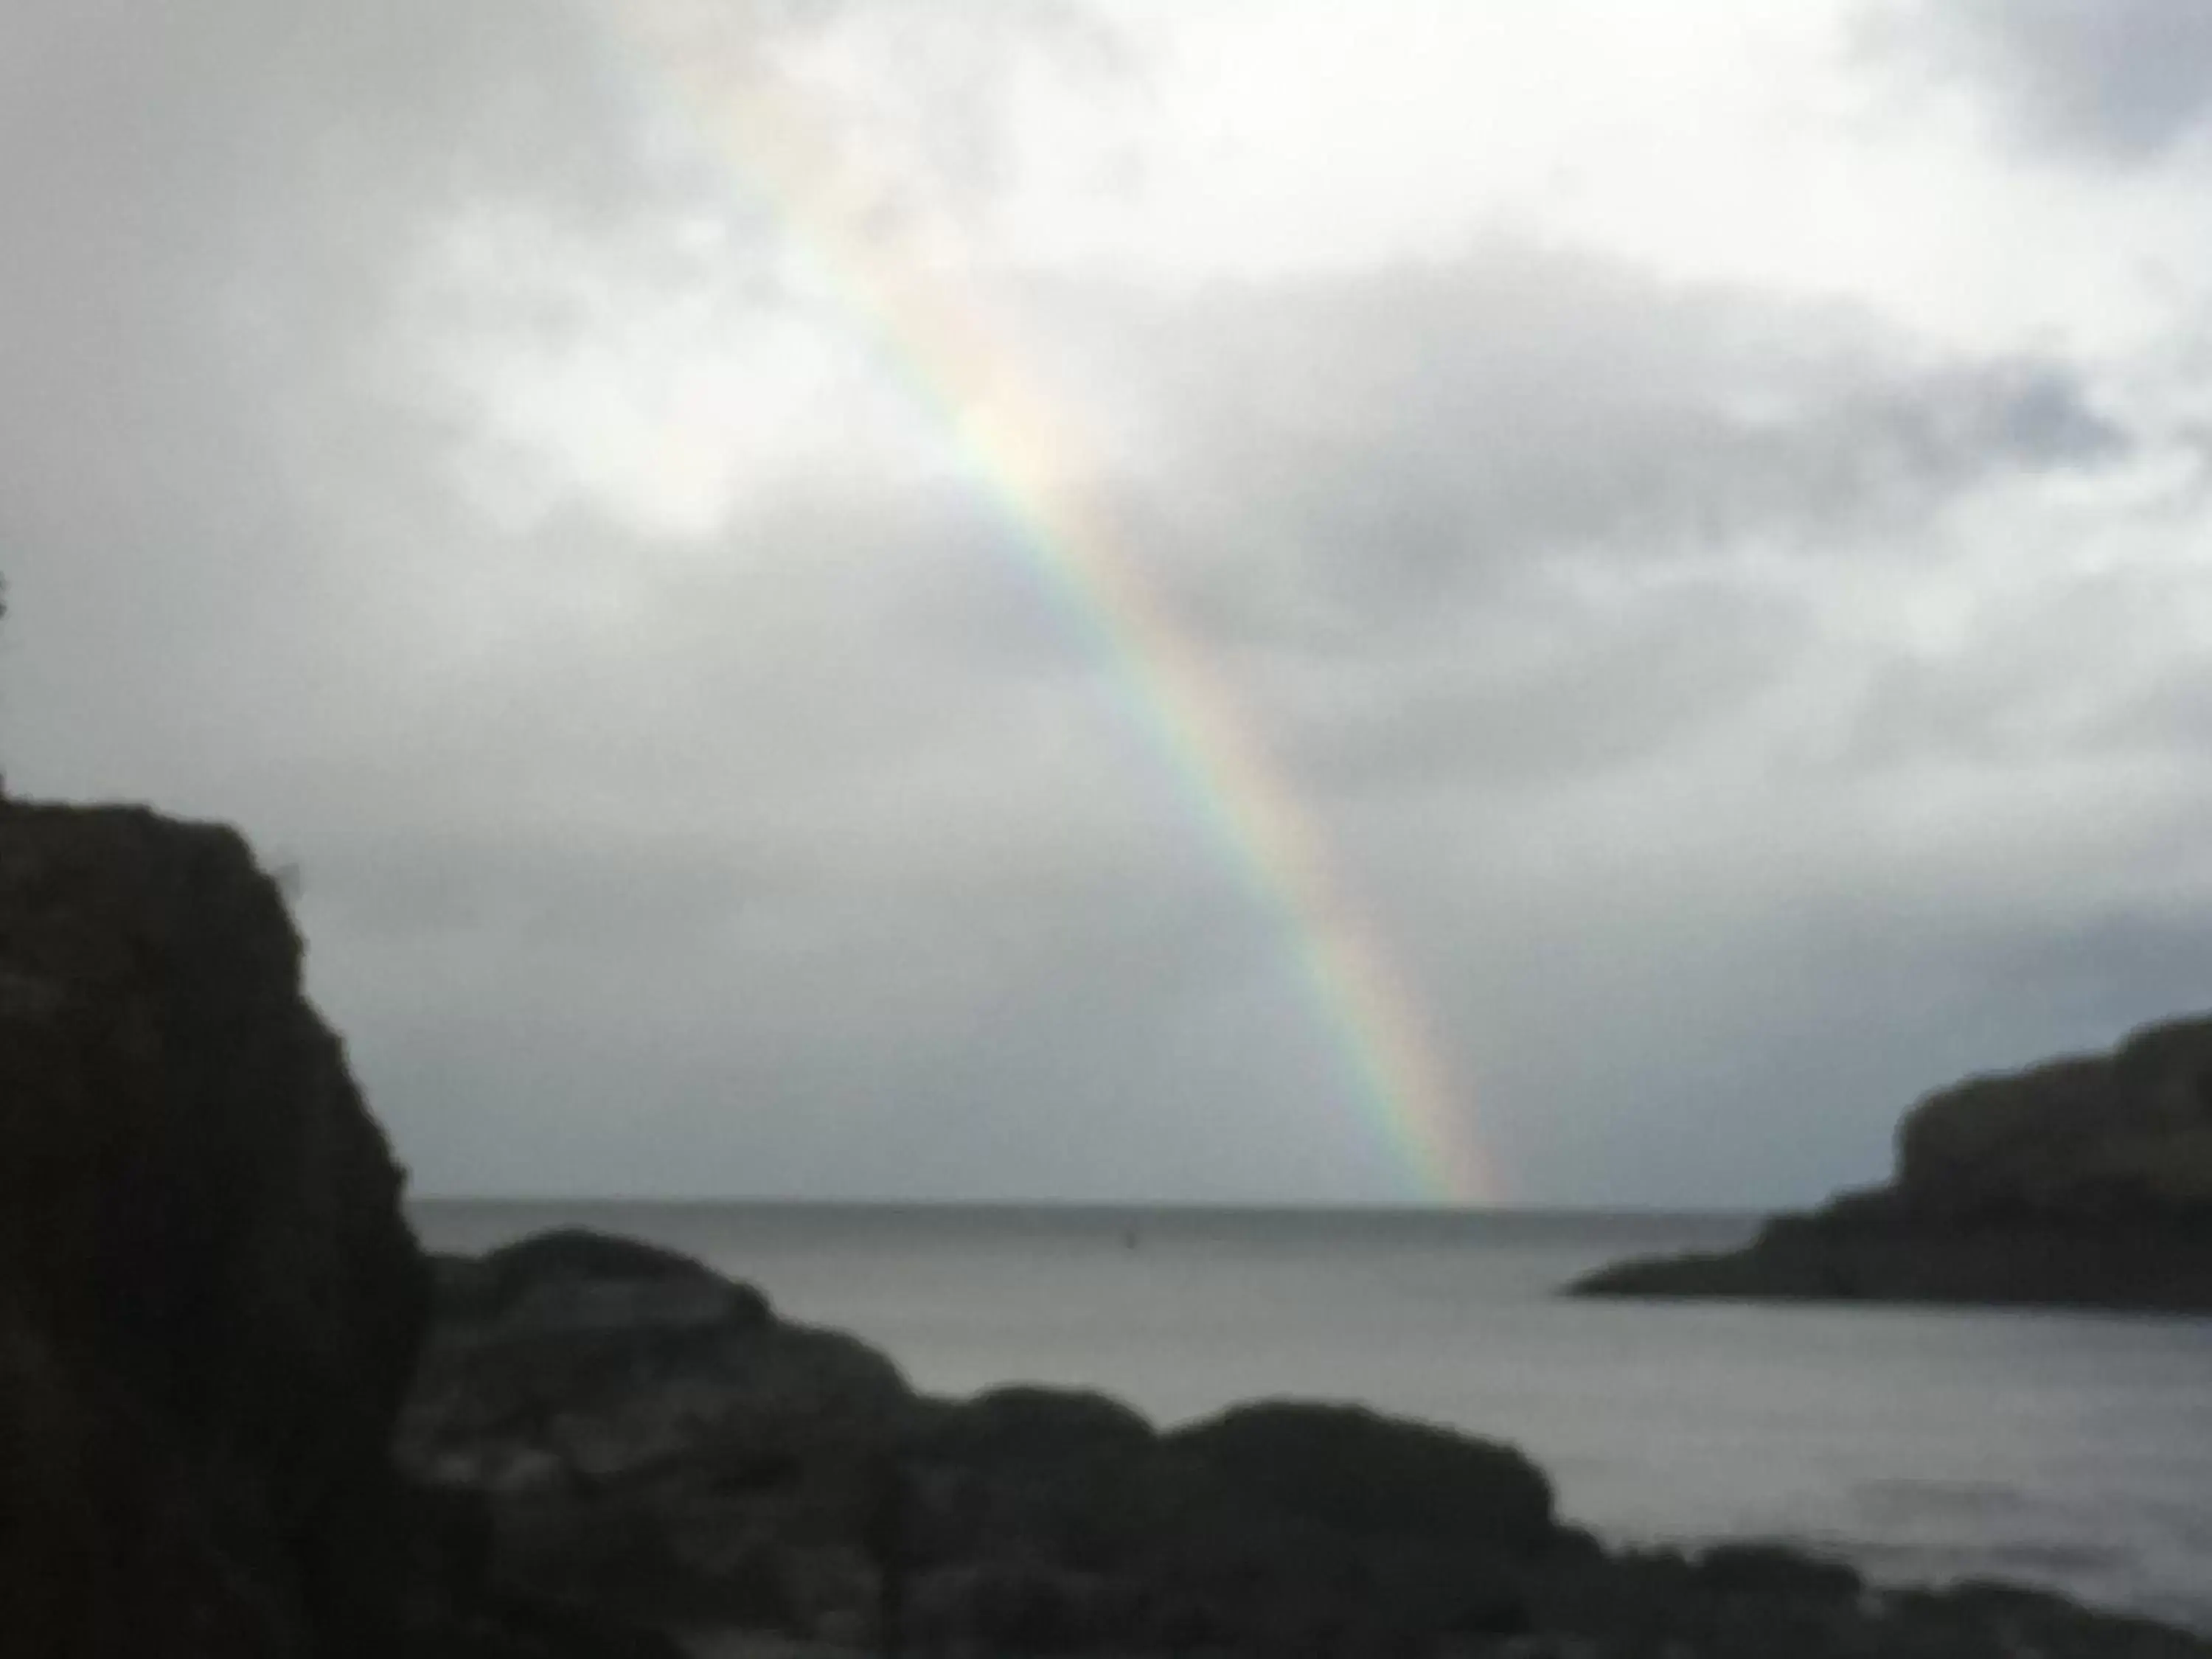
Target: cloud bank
1743	685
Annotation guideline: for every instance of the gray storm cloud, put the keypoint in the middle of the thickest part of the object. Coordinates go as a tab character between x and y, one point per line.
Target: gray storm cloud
2124	80
1740	709
1404	430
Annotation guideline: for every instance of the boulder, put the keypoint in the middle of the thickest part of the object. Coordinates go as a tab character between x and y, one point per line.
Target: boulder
576	1278
647	1434
589	1378
1358	1472
1028	1424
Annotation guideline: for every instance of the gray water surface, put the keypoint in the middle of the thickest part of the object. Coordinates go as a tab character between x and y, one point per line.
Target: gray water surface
2068	1451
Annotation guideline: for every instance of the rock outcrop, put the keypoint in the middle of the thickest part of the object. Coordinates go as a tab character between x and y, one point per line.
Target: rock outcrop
676	1452
210	1299
695	1458
210	1304
2084	1181
2122	1139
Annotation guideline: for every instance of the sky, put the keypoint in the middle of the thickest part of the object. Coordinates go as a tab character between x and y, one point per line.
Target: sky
1545	602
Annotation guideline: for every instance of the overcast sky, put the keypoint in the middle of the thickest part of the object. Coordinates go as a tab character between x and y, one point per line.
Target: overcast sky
1705	506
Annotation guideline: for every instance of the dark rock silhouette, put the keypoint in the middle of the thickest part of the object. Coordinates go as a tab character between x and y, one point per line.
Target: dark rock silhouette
756	1471
750	1475
210	1304
211	1301
2123	1138
1367	1473
2084	1181
576	1278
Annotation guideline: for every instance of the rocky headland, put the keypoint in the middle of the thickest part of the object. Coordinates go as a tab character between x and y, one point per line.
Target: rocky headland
242	1416
2080	1182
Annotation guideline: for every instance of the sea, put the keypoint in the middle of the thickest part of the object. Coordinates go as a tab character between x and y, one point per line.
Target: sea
2071	1451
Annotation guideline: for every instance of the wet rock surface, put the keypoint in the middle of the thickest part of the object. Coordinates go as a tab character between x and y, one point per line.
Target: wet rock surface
2080	1182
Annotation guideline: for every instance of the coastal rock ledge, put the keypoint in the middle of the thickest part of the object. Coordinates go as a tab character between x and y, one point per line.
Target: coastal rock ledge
2082	1182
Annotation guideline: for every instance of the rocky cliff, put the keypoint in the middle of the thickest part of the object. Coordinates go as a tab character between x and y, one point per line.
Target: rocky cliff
2083	1181
210	1304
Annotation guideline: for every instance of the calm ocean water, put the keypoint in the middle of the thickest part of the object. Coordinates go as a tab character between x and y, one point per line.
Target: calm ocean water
2070	1450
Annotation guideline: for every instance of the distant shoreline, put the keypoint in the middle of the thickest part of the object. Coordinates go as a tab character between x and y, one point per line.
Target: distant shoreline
1074	1208
2083	1182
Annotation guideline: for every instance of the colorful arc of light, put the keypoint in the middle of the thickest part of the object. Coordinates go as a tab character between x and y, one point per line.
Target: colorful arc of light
1017	446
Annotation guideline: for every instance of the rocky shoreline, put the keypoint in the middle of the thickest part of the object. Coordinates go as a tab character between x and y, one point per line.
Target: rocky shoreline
243	1417
652	1438
2084	1183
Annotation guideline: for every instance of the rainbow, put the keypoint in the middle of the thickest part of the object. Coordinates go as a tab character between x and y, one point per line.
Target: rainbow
1017	444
